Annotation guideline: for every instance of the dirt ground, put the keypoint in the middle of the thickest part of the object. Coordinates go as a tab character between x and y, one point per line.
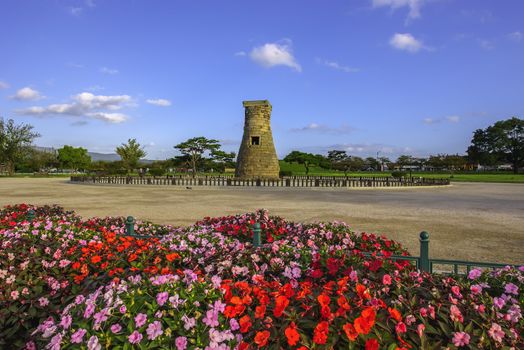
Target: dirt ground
466	221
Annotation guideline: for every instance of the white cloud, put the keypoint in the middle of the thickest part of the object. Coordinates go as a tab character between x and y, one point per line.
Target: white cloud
486	44
3	85
337	66
106	70
324	129
516	36
453	118
159	102
275	54
27	94
406	42
450	119
85	105
413	5
76	11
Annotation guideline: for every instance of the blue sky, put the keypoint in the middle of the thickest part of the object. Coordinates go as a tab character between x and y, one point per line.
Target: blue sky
367	76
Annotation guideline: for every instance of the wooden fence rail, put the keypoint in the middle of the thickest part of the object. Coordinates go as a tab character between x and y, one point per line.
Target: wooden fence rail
291	181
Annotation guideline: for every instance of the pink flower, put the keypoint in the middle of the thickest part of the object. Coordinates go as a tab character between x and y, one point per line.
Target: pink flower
401	327
455	314
162	297
43	301
181	343
460	339
30	345
76	337
456	291
154	330
386	279
116	328
135	337
499	302
496	332
510	288
140	320
475	289
474	274
93	343
15	294
65	322
420	329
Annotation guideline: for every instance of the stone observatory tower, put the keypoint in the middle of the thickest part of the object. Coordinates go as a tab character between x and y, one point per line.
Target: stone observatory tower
257	157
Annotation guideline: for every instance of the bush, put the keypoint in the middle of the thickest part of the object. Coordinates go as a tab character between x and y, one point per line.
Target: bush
157	171
398	174
283	173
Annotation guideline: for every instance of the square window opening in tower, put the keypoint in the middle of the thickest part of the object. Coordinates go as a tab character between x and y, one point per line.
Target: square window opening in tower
255	140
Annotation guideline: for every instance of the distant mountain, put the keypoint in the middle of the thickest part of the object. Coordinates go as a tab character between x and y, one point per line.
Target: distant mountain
111	157
104	157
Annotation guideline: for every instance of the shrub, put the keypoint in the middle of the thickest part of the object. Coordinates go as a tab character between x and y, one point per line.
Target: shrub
398	174
157	171
283	173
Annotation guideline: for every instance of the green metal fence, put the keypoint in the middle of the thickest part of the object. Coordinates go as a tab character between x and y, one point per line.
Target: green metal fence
422	262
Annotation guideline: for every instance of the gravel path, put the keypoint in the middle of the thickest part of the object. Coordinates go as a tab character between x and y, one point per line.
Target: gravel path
467	221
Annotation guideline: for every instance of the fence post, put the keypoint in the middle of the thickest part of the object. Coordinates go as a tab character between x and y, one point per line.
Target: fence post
256	235
130	226
30	215
424	264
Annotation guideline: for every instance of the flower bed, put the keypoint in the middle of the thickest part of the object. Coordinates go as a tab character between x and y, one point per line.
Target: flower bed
66	282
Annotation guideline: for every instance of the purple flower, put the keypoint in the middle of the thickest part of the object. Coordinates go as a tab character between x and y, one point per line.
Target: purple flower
188	322
216	280
140	320
30	345
499	302
154	330
211	318
474	274
77	336
460	339
65	322
181	343
93	343
135	337
233	324
116	328
510	288
123	309
476	289
162	297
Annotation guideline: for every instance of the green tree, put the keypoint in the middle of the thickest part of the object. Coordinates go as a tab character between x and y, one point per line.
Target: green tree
404	160
223	159
500	142
195	148
306	159
15	142
74	158
372	162
130	153
38	160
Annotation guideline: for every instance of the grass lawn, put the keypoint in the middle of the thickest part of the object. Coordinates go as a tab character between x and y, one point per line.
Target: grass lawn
298	169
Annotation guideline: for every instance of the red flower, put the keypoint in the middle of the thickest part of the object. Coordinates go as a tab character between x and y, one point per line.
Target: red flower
332	266
280	305
350	331
365	321
320	335
96	259
324	300
395	314
292	335
372	344
261	338
172	256
260	311
245	323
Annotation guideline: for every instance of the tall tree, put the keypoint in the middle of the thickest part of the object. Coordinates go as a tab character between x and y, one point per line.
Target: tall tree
74	157
195	147
500	142
15	141
131	152
38	160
